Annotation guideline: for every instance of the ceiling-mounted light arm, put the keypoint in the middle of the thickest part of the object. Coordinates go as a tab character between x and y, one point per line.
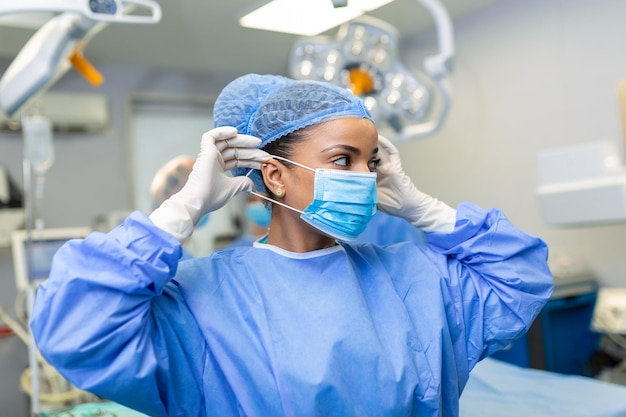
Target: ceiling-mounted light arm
438	67
103	11
43	60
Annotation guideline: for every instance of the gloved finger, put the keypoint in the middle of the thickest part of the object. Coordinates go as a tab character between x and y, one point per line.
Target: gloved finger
208	154
387	146
389	158
222	132
213	136
250	154
237	141
239	184
242	163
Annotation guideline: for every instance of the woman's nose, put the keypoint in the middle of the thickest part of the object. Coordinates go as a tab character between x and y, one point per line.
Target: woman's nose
362	166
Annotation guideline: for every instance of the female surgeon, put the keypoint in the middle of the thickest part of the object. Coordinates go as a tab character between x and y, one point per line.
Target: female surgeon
302	323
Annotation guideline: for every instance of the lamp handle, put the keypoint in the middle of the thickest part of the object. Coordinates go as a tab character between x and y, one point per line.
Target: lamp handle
440	65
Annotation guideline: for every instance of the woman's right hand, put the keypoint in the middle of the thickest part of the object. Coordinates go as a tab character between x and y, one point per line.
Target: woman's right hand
209	187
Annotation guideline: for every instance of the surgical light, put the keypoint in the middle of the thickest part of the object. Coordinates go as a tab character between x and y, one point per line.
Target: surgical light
364	58
306	17
59	43
144	11
26	20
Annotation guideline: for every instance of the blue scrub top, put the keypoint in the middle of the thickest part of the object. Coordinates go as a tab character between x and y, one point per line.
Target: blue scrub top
385	229
351	330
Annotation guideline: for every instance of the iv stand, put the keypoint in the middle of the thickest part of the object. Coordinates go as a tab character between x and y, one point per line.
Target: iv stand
30	292
38	156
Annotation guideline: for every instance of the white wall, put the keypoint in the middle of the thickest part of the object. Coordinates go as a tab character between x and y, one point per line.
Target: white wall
530	75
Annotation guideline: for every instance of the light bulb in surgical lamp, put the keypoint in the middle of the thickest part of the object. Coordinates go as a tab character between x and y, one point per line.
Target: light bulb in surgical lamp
329	74
358	32
397	81
356	49
332	57
383	40
414	108
306	68
371	104
377	56
393	97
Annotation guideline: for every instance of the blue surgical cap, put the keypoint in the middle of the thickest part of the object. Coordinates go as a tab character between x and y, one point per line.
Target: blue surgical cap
271	106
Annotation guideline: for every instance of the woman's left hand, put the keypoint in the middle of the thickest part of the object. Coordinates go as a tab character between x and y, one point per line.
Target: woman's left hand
398	196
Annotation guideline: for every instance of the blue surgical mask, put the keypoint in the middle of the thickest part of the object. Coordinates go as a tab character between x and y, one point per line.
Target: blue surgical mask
258	214
343	201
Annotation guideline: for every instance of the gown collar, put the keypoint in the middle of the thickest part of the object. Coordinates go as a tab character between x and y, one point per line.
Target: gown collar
297	255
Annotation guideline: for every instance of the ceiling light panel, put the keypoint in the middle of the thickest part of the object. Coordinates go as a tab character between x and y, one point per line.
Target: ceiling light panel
306	17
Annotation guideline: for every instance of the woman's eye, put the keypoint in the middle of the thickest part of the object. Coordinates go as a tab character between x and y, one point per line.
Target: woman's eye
373	165
343	161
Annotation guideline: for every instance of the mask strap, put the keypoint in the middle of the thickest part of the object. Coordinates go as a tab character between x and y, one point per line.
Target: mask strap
270	199
280	158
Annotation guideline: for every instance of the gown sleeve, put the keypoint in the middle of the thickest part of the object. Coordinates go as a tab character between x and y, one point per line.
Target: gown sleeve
111	320
497	279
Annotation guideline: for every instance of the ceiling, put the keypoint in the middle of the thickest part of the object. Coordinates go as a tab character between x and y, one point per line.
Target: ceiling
203	36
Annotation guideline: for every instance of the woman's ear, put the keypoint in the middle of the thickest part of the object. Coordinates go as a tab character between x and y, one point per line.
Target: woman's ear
272	173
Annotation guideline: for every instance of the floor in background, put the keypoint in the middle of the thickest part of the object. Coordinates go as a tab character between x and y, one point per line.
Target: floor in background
13	361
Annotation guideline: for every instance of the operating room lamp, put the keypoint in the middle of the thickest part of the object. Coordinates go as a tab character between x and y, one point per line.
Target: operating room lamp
364	58
58	44
99	10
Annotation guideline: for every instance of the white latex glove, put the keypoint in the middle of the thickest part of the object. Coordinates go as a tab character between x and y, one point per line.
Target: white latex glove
209	187
398	196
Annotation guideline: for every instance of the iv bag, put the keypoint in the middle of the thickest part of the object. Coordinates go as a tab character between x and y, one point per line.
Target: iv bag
38	147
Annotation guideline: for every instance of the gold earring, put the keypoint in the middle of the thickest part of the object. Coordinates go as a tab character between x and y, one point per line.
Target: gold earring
279	192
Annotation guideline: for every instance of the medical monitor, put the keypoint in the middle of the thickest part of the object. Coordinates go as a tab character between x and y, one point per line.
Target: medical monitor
32	258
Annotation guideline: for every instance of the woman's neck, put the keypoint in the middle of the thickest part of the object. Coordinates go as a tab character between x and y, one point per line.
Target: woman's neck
289	232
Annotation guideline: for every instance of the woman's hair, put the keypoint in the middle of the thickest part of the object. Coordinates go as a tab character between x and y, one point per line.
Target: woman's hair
284	147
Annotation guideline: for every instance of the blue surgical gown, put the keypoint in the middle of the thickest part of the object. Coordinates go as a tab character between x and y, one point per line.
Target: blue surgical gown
385	229
351	330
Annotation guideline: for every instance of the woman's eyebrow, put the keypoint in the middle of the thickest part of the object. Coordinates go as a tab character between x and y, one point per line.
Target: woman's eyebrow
348	148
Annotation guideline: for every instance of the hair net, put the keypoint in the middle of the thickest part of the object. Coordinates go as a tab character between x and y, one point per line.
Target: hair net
271	106
170	178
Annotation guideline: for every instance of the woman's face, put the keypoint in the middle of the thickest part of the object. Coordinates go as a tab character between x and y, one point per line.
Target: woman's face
343	144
